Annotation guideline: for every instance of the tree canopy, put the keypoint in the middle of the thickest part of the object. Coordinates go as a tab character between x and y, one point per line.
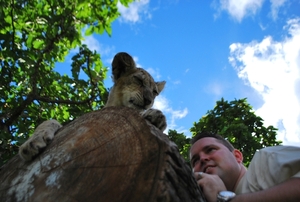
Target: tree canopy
34	36
182	142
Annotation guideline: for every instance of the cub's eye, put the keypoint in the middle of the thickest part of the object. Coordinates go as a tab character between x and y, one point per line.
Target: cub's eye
155	93
138	80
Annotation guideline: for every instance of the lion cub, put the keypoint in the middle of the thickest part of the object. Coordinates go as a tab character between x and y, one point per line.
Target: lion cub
133	87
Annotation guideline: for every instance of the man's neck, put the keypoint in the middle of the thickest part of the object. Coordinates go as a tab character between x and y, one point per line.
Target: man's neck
241	175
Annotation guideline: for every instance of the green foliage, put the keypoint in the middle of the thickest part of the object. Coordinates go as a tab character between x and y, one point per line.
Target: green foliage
237	122
34	36
182	142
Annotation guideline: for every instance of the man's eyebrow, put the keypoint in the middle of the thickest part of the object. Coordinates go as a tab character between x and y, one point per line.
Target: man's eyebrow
208	146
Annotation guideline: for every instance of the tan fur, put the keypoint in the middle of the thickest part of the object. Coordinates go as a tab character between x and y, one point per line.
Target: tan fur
133	87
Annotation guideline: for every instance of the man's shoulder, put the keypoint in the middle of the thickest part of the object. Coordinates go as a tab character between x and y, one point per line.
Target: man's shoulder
280	149
277	155
271	166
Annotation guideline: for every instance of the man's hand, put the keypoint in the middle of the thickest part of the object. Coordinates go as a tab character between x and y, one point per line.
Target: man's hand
211	185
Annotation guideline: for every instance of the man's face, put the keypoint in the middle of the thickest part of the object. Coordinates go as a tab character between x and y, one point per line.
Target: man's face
210	156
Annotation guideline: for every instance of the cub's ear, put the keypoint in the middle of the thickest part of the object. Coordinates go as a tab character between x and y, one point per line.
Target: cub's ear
122	64
160	86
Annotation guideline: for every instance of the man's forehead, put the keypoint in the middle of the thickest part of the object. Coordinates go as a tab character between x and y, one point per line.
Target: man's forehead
204	142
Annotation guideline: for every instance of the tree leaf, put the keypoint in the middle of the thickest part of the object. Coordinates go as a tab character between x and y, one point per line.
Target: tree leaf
38	44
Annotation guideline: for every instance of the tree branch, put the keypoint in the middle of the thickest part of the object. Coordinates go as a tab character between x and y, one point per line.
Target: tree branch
48	100
18	111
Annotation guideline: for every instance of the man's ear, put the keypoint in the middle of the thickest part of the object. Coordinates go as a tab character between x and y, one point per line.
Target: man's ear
238	155
160	86
122	64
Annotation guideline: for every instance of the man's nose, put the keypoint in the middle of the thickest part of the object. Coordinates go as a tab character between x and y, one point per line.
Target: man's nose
204	157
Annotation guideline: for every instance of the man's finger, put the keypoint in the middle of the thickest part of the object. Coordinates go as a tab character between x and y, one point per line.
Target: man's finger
198	175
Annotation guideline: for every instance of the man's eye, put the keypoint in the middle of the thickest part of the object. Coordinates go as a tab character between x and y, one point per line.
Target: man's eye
195	161
210	149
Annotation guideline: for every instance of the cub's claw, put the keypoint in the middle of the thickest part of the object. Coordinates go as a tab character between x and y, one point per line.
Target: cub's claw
156	117
41	137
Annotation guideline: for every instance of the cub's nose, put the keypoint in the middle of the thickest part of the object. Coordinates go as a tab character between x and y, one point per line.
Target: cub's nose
147	101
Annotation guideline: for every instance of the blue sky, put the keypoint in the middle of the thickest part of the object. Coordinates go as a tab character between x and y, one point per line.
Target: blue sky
206	50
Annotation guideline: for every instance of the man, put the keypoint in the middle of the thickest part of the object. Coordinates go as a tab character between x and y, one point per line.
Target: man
273	174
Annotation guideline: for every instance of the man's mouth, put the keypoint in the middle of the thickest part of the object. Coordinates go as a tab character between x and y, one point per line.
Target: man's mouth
207	169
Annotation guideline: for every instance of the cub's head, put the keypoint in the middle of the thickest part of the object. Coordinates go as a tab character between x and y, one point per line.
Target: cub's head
133	87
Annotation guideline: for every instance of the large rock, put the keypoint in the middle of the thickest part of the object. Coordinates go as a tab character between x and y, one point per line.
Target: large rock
107	155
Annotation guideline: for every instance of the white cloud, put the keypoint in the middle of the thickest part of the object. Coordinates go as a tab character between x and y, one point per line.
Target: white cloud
176	82
94	45
238	9
135	11
262	27
215	88
154	73
272	68
136	59
172	115
275	5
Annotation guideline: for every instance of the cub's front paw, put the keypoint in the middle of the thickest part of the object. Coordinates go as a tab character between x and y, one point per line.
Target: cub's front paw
156	117
41	137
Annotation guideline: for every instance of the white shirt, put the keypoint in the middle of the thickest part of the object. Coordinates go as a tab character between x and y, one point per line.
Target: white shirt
269	167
